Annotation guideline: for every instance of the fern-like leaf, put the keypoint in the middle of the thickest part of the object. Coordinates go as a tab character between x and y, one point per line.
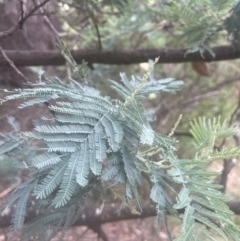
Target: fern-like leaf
49	183
202	131
83	166
68	183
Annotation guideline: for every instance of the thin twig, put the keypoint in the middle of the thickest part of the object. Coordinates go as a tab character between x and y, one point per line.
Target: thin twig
20	23
22	13
233	116
98	36
94	21
9	189
10	62
227	167
228	164
185	103
188	102
46	19
221	84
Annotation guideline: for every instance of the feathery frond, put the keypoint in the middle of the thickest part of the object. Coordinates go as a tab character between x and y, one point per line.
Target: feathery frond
203	130
92	142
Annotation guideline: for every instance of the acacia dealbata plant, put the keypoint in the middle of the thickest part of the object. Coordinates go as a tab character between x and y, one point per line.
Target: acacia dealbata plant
91	144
